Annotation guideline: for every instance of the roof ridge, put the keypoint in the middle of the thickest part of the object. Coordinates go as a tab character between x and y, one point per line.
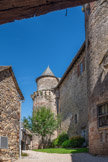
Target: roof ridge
4	67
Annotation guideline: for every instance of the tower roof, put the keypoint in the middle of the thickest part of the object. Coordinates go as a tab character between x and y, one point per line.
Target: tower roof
48	72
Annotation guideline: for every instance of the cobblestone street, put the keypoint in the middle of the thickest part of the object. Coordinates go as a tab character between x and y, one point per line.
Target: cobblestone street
46	157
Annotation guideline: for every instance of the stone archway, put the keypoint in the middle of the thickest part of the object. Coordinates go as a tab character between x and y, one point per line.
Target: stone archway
11	10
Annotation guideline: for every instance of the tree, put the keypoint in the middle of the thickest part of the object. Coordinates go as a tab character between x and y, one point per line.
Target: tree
43	123
27	123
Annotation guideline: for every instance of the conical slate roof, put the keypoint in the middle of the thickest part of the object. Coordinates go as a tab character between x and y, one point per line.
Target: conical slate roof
48	72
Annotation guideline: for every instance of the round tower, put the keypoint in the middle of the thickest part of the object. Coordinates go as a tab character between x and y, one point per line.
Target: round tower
47	80
45	96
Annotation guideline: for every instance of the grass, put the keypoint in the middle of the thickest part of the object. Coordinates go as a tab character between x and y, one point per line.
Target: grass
63	150
24	154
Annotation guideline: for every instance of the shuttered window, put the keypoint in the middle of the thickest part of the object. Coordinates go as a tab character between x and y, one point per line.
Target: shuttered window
103	115
81	67
78	70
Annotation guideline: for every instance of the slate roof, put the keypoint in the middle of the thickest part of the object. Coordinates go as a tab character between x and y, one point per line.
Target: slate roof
48	72
3	68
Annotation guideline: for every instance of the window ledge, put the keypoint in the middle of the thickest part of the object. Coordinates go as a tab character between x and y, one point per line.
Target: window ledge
103	128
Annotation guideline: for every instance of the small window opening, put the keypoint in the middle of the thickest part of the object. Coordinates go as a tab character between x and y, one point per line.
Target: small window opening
103	115
76	118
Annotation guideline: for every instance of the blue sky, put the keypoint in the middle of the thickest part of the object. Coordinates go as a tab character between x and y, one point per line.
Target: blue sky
30	45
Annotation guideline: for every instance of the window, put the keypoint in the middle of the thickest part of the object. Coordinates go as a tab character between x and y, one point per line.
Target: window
103	115
81	67
3	142
83	133
76	119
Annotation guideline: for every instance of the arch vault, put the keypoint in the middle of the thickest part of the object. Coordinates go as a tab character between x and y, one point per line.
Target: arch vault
11	10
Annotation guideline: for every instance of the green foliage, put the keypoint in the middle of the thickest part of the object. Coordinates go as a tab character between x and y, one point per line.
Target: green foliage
77	141
27	122
66	144
43	122
24	154
60	139
55	142
63	150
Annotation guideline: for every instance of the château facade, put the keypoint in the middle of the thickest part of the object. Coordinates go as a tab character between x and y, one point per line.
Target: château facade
66	96
69	96
72	100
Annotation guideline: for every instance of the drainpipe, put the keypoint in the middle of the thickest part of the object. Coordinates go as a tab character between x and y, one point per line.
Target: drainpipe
20	131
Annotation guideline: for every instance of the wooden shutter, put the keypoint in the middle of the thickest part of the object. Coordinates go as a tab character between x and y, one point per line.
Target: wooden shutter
83	62
78	70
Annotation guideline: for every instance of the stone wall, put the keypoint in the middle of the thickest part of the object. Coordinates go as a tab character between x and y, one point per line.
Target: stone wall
44	83
73	101
9	116
96	22
26	139
45	98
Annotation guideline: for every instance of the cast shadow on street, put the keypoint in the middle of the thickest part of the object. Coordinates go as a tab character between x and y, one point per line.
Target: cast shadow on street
85	157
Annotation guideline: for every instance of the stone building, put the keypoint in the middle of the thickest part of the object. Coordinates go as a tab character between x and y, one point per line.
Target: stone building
96	26
45	96
26	139
72	97
10	97
96	57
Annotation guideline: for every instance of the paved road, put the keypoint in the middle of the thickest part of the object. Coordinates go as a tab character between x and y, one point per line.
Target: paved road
46	157
84	157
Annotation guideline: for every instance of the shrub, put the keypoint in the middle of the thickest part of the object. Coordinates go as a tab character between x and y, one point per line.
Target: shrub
61	138
55	142
77	141
66	144
24	154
